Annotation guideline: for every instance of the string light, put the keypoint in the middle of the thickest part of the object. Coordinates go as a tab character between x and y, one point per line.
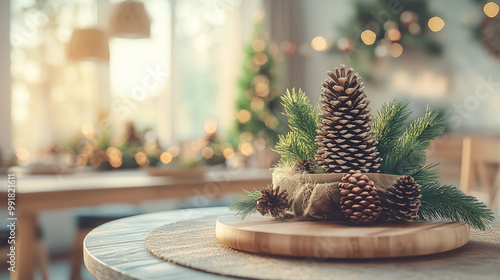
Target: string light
87	129
207	153
491	9
414	28
210	126
258	45
166	157
396	50
141	158
368	37
173	150
257	104
393	34
260	59
114	157
228	153
247	149
345	45
246	136
262	89
244	116
436	24
319	44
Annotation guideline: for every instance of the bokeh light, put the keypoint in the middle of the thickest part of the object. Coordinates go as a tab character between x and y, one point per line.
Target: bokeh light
258	45
319	44
244	116
396	50
260	59
141	158
210	126
228	152
491	9
368	37
166	157
247	149
393	34
436	24
207	153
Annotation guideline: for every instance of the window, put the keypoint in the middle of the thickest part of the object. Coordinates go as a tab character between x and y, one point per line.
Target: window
170	83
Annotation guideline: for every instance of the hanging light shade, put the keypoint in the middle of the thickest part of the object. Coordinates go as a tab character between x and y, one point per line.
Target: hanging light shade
130	20
88	44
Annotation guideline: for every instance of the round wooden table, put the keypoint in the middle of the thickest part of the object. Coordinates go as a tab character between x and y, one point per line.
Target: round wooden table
116	250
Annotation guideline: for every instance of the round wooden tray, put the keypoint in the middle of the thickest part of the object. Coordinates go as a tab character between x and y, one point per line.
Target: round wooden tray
259	234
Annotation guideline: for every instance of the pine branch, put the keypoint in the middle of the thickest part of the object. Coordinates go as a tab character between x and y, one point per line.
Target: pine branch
303	121
301	115
427	127
408	152
389	124
427	174
448	202
244	204
291	148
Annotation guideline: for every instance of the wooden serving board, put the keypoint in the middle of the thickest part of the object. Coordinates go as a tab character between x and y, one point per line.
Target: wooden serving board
344	240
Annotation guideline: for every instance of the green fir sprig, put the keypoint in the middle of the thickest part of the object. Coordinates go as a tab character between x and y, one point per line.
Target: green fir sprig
404	153
449	203
390	124
244	204
404	150
303	120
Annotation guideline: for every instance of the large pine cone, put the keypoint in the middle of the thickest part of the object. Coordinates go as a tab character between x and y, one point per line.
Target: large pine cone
345	138
359	201
272	202
403	199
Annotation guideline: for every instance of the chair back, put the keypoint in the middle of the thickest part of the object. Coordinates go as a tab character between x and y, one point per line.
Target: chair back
481	163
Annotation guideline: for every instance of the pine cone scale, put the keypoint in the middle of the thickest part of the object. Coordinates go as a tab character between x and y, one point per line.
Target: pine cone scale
359	202
403	199
272	203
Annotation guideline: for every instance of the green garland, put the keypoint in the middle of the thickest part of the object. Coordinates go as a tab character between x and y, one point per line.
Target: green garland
402	148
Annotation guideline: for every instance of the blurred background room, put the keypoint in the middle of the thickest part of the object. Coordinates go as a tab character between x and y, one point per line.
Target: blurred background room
102	97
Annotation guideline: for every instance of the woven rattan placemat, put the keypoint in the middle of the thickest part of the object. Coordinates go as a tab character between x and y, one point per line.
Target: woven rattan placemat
193	244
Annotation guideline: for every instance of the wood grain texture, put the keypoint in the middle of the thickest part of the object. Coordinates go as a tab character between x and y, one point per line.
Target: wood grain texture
339	240
35	194
116	250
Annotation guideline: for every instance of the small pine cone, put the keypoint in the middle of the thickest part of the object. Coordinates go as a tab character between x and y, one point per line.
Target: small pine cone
304	165
272	202
403	199
359	201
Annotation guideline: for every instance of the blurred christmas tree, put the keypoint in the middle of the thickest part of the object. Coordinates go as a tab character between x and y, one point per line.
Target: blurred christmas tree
258	116
487	32
384	28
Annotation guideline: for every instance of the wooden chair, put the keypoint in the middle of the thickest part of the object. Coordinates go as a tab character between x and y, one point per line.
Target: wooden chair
90	218
481	163
39	249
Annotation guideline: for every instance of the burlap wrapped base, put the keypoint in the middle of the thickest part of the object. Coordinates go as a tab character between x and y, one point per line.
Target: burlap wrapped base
193	244
317	196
